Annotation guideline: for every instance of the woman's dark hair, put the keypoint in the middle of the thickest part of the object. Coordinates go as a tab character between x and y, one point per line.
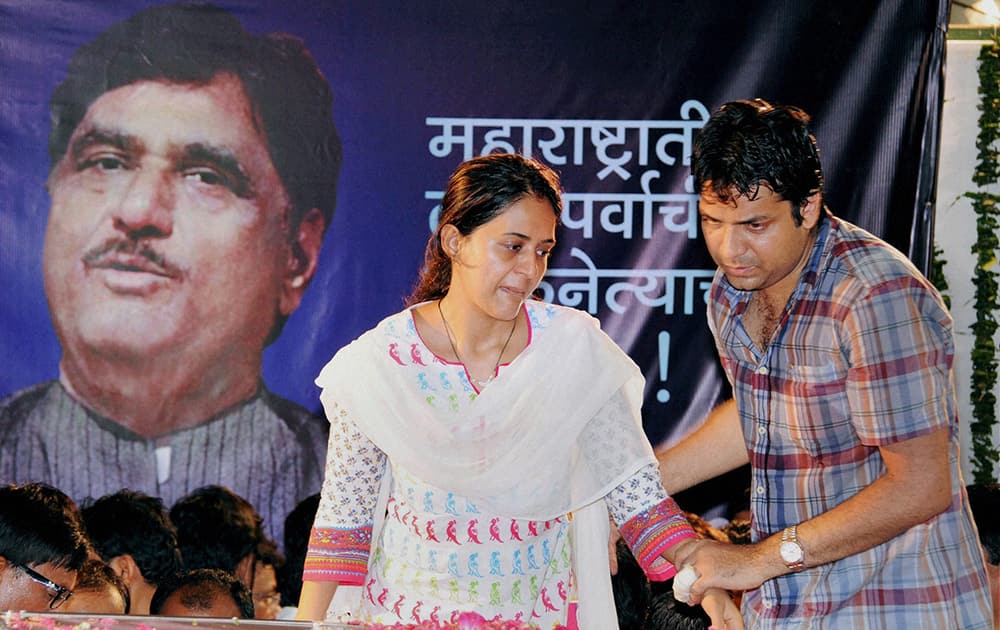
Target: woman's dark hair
749	144
478	191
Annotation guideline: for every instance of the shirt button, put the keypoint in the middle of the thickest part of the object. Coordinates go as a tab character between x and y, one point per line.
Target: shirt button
762	370
761	430
760	489
768	604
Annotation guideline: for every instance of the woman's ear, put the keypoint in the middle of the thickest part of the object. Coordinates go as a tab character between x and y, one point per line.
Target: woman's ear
451	240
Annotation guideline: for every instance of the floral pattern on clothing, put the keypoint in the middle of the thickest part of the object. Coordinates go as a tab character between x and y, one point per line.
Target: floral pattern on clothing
439	553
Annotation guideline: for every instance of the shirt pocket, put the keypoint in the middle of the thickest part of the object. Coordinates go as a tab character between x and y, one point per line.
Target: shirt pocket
818	416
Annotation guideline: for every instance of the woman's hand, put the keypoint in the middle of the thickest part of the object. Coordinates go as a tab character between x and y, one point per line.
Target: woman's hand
721	609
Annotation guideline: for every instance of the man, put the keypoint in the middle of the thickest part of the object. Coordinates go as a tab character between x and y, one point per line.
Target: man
840	356
203	593
193	176
266	596
218	529
42	546
99	591
132	532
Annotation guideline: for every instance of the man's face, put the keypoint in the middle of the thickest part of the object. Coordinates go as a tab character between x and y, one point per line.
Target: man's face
755	242
19	592
168	231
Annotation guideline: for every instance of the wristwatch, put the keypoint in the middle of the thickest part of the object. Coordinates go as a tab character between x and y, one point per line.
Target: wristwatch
791	551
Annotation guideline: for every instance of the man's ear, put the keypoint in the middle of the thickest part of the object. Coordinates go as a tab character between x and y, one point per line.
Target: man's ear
126	568
245	570
811	210
303	257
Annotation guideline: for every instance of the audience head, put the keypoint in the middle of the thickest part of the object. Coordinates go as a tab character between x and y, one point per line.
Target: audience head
266	597
666	613
298	526
203	593
99	591
631	590
42	547
738	531
984	499
132	532
218	529
705	529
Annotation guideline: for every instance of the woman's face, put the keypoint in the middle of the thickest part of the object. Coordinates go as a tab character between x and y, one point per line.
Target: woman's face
497	266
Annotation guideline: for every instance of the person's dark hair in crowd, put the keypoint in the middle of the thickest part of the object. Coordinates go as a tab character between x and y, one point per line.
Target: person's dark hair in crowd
99	591
666	613
42	547
984	500
631	589
266	593
203	593
298	525
705	529
132	532
738	531
218	529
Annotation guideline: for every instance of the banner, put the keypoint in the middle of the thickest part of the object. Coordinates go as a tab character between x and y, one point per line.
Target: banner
611	95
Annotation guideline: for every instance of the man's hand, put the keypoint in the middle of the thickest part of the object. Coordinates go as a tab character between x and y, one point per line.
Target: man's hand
725	566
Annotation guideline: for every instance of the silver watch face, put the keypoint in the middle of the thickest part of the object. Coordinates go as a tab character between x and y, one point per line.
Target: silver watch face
790	552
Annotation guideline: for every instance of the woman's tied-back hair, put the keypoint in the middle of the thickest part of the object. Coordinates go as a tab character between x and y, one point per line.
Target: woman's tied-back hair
478	191
747	144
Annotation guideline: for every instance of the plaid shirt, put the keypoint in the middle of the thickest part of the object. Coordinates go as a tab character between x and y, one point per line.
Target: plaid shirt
861	357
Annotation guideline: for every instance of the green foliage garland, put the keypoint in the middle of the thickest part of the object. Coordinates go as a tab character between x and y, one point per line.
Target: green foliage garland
937	277
987	208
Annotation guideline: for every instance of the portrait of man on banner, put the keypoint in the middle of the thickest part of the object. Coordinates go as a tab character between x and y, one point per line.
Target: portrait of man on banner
193	176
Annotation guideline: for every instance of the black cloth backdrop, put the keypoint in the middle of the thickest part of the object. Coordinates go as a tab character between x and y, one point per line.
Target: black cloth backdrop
609	93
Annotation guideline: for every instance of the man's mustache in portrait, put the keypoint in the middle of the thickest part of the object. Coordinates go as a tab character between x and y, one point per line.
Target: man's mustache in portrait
130	255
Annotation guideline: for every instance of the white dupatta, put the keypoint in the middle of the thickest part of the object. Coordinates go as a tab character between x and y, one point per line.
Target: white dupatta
518	449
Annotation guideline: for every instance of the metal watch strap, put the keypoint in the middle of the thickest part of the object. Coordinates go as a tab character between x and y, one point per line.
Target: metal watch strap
791	535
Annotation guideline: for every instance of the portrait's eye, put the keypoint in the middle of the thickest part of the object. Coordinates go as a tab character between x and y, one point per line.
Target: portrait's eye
103	162
206	177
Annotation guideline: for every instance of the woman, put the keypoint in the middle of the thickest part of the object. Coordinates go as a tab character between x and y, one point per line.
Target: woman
493	432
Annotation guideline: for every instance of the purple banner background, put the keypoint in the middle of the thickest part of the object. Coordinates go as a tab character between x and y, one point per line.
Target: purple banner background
869	73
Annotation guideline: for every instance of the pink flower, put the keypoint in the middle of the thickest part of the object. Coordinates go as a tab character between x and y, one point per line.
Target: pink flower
472	621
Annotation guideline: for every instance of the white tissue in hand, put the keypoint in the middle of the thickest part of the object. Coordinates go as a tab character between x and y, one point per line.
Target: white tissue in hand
682	583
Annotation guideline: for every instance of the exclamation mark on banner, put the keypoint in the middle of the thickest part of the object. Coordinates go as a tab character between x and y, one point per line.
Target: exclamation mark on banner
663	395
